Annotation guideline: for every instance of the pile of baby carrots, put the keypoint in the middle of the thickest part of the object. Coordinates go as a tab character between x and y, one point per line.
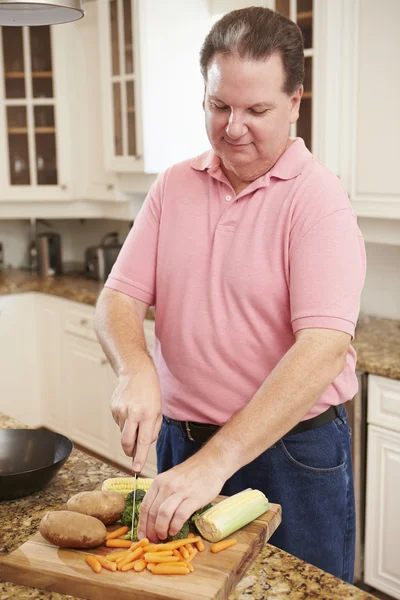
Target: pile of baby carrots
169	558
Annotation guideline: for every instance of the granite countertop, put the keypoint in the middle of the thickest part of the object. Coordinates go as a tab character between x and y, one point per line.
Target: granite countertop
377	340
71	287
377	343
274	575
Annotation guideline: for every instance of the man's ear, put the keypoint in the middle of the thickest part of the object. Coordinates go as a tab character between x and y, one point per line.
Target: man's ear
204	97
295	101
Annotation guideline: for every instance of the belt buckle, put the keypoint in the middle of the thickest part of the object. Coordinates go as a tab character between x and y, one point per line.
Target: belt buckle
187	426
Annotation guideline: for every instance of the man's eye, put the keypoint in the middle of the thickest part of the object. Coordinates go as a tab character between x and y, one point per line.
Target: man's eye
220	107
258	112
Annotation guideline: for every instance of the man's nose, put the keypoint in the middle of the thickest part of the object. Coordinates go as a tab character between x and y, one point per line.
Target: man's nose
236	128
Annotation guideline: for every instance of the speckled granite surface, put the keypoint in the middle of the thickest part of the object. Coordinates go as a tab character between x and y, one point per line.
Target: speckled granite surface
377	343
79	288
275	575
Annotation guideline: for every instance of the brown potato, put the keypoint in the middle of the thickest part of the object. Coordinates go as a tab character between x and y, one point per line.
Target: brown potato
68	529
105	506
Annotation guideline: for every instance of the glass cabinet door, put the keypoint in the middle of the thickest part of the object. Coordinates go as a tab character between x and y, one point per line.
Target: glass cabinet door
29	103
123	77
301	12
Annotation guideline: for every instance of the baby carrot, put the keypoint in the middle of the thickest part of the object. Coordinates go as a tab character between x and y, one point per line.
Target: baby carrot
132	556
150	566
222	545
200	546
139	544
93	563
184	552
177	553
139	565
192	554
118	543
117	533
179	543
170	570
131	565
151	547
113	556
107	564
148	557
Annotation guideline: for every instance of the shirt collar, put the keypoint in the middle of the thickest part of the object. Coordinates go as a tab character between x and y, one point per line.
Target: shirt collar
288	166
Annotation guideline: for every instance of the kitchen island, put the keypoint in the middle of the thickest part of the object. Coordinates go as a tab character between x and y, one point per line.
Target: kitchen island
274	574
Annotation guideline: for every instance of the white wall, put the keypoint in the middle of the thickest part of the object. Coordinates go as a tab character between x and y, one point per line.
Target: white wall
76	235
381	293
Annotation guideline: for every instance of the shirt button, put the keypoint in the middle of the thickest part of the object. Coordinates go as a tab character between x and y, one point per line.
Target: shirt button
228	198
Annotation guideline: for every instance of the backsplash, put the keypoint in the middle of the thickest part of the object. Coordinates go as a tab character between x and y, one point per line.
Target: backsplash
76	235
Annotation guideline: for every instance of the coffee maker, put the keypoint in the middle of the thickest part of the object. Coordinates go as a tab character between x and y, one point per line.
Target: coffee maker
49	253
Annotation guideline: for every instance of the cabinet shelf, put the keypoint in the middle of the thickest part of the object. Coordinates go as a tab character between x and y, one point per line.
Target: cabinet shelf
24	130
35	74
305	17
45	129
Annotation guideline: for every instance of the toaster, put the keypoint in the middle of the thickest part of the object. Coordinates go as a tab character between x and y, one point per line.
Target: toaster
99	259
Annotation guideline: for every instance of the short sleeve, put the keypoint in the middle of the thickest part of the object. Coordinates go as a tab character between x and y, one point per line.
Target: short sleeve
327	273
134	271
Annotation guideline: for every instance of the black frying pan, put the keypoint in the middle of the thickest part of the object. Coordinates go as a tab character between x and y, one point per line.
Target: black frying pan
29	459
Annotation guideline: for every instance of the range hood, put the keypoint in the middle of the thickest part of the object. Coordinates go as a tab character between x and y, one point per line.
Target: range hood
39	12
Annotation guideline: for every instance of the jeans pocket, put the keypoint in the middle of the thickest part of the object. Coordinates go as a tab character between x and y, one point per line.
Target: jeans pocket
322	450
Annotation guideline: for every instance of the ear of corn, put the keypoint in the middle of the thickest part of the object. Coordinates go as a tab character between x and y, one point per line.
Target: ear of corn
231	514
124	485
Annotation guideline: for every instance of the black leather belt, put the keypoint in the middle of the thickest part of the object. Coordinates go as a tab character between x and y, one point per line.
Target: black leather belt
202	432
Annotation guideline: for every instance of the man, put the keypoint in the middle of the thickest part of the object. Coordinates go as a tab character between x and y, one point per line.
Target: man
252	256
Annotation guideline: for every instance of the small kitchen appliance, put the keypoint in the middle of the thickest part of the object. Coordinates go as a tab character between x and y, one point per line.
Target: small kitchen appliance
49	253
99	259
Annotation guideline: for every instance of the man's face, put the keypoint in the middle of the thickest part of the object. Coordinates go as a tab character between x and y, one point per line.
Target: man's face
248	115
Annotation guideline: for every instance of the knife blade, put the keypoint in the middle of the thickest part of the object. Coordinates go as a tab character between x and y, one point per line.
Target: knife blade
134	502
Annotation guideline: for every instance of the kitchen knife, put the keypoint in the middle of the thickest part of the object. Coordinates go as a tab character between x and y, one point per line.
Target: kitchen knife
134	502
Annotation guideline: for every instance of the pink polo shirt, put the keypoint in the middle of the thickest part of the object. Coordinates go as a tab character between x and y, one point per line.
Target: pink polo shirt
234	277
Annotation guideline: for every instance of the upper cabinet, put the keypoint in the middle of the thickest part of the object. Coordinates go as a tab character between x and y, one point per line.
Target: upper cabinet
152	89
301	12
374	122
35	136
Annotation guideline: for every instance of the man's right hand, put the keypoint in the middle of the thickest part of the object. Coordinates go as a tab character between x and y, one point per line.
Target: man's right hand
136	408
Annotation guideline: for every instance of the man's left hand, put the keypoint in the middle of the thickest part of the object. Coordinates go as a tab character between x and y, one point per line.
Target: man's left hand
175	495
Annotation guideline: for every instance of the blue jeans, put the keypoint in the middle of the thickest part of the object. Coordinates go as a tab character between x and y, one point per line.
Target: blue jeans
310	475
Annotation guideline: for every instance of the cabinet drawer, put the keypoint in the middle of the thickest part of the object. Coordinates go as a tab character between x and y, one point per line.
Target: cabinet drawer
384	402
80	321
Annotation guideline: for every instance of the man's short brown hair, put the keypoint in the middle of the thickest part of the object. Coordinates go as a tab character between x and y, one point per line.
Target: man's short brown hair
256	33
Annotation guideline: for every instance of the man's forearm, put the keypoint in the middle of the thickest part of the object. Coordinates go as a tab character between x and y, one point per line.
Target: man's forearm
284	398
119	327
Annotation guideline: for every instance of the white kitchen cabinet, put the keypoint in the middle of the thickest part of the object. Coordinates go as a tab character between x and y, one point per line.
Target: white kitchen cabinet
370	147
89	383
19	379
382	528
35	125
152	88
77	382
50	342
93	181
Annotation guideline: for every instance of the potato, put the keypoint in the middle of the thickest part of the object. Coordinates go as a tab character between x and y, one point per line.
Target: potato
106	506
68	529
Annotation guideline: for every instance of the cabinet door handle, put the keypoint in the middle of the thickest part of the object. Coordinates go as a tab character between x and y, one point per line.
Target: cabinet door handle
63	187
84	321
103	361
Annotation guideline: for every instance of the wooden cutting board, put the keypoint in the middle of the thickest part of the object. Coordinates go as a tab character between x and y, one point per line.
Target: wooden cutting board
40	564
